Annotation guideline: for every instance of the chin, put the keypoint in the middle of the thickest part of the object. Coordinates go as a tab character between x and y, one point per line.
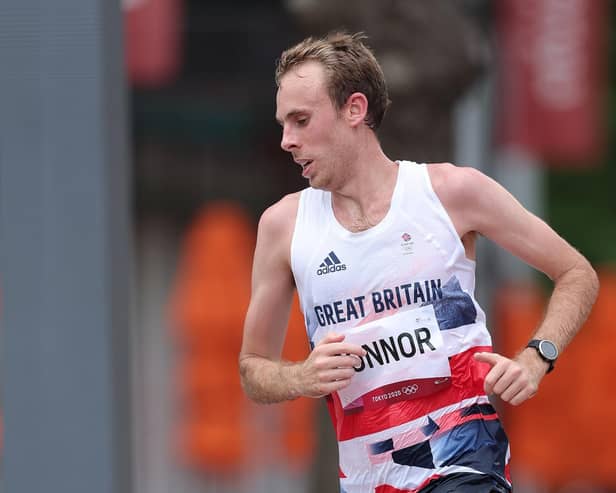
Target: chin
321	186
319	181
316	183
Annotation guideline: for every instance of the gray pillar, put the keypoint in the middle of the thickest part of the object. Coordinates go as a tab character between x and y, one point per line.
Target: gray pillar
64	247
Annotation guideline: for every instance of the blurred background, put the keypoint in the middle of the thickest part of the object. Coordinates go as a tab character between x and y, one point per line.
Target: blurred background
138	148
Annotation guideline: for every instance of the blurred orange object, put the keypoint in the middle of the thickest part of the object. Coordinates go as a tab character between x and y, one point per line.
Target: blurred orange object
208	305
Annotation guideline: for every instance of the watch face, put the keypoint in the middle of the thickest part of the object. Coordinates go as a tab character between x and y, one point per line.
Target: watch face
548	350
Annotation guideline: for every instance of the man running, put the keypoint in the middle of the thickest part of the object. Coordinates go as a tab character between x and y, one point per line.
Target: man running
382	255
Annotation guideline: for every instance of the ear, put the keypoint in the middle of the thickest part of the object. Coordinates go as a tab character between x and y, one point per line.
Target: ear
356	108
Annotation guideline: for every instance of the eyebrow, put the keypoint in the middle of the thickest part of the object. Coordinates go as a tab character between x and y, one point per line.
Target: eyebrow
290	114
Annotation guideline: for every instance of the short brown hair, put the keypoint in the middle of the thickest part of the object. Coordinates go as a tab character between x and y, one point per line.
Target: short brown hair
350	66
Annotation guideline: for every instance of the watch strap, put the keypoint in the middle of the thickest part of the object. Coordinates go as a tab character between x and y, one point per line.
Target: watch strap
534	343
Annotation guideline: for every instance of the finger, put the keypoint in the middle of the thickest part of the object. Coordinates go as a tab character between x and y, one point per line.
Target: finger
490	358
329	387
337	374
512	390
512	373
493	376
345	361
335	345
522	396
342	348
330	338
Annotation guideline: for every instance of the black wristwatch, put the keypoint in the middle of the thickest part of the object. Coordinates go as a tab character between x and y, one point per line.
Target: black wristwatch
547	350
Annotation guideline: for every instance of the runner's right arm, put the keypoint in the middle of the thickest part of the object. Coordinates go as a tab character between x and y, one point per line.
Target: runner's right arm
264	376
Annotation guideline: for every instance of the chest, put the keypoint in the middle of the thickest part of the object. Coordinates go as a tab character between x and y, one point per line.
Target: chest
398	264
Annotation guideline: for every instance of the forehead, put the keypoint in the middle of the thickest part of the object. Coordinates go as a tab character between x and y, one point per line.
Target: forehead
302	86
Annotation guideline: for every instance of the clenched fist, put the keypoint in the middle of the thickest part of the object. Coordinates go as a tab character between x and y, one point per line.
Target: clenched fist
513	380
329	367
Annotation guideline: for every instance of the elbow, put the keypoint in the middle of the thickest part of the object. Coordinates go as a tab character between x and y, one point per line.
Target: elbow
595	284
247	378
589	282
244	374
592	280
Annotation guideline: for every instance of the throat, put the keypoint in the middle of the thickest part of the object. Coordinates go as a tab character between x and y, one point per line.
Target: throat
367	206
361	223
357	220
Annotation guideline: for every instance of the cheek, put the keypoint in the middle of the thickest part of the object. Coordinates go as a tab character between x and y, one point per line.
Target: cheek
339	142
319	139
330	136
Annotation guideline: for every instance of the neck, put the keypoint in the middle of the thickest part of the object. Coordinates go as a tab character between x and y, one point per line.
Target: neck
365	196
367	171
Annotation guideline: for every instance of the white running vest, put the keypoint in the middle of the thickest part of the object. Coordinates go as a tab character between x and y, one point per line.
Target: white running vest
404	290
409	259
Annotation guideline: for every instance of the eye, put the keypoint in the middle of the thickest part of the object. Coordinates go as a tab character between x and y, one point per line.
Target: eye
302	122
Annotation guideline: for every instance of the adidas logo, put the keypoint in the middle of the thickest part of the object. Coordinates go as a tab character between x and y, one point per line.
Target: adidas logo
331	264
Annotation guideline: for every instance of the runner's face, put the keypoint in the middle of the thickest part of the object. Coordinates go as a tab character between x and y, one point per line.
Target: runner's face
313	130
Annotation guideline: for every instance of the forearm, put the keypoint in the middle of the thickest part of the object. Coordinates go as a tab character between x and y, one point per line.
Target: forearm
574	294
266	381
516	380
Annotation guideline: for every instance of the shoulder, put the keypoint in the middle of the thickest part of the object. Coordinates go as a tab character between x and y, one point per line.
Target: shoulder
281	215
454	183
469	196
463	188
277	222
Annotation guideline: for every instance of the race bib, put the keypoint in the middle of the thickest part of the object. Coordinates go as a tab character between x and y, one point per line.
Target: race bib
405	359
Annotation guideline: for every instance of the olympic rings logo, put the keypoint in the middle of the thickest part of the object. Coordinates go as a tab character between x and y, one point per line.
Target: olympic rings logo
410	389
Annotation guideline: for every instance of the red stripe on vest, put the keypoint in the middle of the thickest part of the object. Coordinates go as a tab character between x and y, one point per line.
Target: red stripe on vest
467	378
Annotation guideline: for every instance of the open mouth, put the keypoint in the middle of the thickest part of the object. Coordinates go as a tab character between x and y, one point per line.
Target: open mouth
305	165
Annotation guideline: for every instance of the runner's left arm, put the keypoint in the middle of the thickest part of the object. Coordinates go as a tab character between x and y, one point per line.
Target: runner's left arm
482	205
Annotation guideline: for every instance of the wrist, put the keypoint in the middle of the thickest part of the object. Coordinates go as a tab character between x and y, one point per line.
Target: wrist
290	375
546	350
531	359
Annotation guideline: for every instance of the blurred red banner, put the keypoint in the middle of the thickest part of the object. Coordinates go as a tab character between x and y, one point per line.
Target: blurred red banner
553	69
152	40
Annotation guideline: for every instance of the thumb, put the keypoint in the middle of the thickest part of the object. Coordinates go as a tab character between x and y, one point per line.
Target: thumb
490	358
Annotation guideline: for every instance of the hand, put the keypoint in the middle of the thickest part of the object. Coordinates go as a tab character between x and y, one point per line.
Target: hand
329	367
513	380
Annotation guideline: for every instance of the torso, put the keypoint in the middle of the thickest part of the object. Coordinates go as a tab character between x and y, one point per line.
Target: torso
372	280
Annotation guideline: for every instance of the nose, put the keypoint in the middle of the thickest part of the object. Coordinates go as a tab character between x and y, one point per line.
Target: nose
288	141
